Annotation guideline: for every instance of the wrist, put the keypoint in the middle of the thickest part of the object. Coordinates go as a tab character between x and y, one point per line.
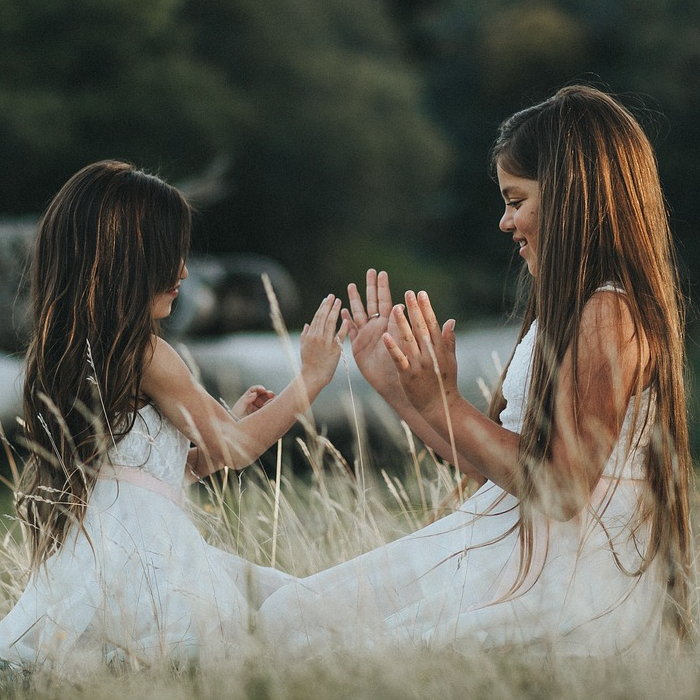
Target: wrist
311	383
439	411
395	396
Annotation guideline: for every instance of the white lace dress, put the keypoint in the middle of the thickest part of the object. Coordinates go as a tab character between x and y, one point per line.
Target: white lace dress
450	583
143	585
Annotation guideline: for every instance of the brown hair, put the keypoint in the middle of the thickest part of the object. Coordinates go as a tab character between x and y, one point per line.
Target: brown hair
603	219
111	240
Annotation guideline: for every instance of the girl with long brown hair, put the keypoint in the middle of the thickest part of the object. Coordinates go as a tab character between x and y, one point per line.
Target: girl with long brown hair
578	538
116	424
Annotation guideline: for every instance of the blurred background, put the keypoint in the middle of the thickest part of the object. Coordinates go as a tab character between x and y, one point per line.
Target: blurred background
319	137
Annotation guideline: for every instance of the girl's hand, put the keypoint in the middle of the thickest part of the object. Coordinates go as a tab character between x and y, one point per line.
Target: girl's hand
253	399
321	345
424	356
366	328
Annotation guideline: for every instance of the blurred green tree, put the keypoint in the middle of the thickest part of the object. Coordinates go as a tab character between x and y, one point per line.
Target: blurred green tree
340	155
484	59
345	134
84	79
310	102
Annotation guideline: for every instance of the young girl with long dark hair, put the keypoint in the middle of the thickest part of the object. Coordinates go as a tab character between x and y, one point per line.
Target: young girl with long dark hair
578	538
116	424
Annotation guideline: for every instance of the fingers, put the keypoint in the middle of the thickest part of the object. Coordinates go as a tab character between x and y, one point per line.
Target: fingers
372	293
425	325
351	325
377	295
397	355
420	330
357	308
325	320
252	400
448	334
421	333
392	328
384	302
262	398
331	321
258	390
407	340
431	321
343	330
326	315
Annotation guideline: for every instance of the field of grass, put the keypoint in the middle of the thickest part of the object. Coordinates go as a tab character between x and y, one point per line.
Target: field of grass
409	676
305	522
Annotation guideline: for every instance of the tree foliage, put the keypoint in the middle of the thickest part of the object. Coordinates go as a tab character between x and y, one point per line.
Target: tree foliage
84	79
350	133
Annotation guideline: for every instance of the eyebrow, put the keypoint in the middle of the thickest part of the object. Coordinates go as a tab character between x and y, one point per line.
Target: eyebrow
507	192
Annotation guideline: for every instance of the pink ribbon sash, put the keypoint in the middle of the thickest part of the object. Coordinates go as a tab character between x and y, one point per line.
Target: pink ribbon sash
139	477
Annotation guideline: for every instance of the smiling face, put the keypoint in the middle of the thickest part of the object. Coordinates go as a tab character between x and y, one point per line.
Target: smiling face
163	302
521	216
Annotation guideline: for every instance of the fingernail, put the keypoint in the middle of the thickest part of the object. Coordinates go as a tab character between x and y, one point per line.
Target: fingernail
422	295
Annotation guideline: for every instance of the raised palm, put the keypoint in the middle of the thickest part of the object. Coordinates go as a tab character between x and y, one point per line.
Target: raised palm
368	325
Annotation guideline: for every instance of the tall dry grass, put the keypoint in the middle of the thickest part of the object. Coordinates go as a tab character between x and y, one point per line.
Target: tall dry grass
304	520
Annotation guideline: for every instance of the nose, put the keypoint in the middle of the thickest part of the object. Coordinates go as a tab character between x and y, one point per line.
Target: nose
183	272
506	222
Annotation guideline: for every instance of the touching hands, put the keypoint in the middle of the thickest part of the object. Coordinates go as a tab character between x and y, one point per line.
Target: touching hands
321	345
423	355
366	326
397	355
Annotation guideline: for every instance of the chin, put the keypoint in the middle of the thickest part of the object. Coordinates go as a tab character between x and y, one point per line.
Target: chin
531	268
159	314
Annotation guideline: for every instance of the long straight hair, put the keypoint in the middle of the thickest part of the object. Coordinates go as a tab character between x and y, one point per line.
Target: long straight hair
603	220
111	240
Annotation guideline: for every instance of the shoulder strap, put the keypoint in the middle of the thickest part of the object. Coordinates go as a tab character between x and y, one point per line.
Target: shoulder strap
610	287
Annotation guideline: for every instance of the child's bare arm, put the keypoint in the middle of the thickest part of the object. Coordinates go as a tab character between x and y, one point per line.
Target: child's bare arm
220	438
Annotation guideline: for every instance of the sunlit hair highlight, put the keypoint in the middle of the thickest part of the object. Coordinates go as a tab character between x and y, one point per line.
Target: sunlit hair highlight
603	220
111	240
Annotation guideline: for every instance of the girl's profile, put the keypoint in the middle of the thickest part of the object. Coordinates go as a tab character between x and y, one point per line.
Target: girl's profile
578	537
116	425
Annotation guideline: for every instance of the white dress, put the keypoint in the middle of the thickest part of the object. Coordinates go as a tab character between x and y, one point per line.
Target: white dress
451	583
143	585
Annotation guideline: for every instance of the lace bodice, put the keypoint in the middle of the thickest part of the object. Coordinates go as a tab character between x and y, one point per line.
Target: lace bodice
516	385
517	382
153	444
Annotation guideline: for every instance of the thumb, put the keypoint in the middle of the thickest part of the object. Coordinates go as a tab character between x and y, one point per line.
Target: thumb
351	327
448	334
393	328
343	331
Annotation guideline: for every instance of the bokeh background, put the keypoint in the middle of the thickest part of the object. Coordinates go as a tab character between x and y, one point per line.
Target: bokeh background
326	136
